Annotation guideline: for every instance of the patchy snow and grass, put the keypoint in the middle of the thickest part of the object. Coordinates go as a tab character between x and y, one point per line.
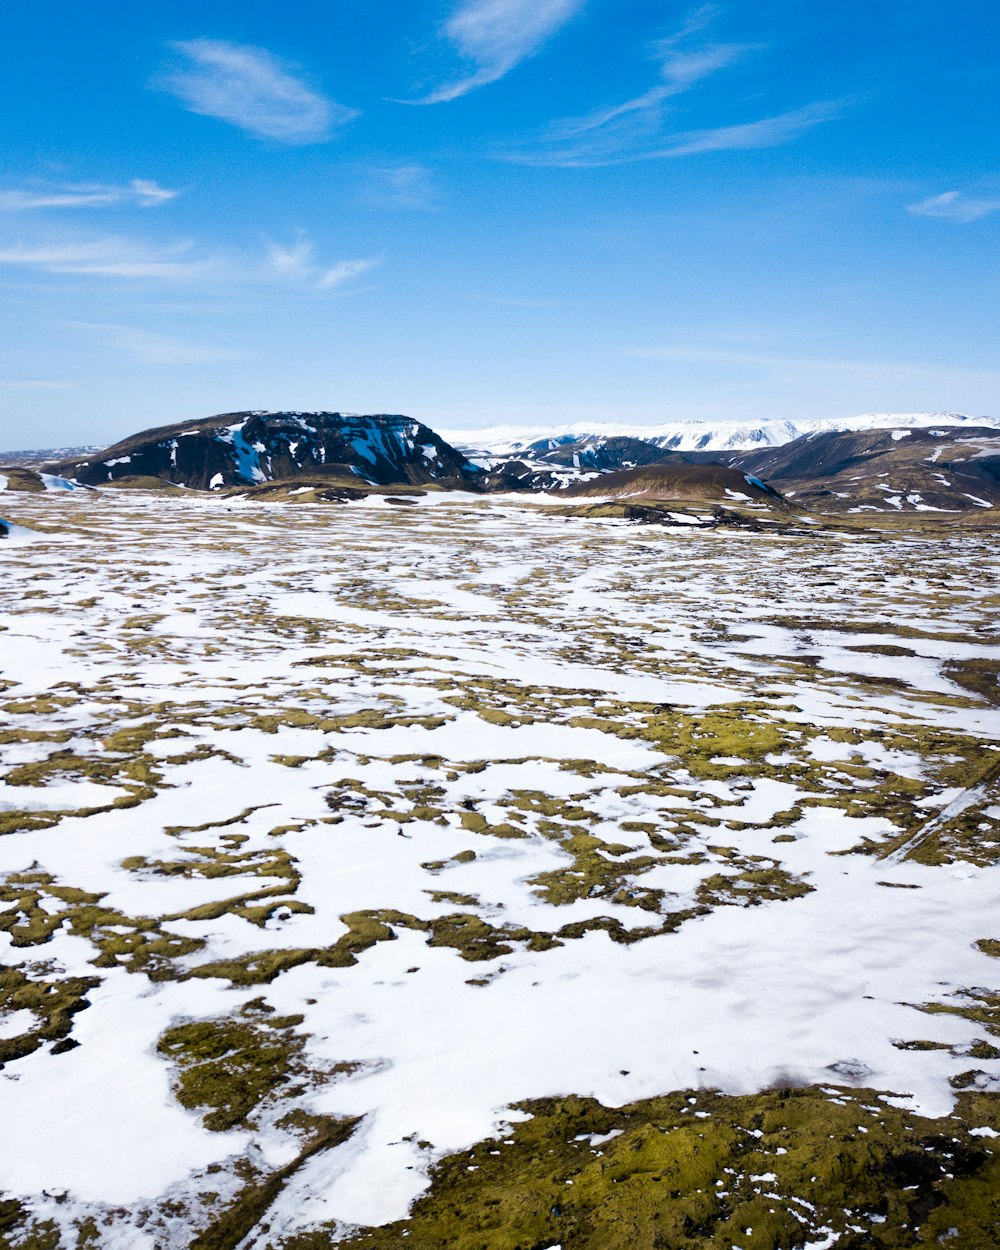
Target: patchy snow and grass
411	815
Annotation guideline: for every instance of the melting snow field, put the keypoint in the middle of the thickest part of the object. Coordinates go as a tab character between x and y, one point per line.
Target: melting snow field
412	815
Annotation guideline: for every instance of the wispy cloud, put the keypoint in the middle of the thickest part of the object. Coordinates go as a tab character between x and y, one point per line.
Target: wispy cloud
954	206
679	72
519	302
681	68
778	368
117	257
140	192
113	257
789	372
296	262
495	36
402	186
34	384
765	132
151	347
643	127
768	132
346	272
251	88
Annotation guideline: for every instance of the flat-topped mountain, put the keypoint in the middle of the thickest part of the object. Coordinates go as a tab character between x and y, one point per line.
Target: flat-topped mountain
247	448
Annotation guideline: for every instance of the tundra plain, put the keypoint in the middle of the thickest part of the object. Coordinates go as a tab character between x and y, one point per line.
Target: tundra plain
468	872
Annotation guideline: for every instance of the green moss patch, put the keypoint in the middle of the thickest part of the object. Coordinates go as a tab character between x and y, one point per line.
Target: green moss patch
53	1001
229	1065
138	944
701	1171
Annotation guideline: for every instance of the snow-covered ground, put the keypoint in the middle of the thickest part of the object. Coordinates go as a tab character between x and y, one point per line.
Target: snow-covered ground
273	752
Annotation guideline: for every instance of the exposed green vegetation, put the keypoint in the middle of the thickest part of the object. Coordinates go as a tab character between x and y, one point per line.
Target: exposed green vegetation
230	1065
979	1005
700	1171
751	887
256	906
980	676
53	1002
138	944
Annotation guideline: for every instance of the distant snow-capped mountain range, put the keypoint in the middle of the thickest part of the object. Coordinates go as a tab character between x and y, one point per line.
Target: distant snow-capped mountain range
512	440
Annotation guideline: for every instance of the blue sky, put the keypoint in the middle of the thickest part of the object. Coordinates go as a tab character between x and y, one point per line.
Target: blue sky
495	211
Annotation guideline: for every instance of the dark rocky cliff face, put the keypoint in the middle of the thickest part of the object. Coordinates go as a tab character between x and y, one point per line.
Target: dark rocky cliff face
555	463
601	454
245	448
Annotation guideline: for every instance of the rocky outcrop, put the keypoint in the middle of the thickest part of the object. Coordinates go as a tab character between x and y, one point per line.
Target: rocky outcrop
247	448
21	480
521	475
600	454
556	463
25	481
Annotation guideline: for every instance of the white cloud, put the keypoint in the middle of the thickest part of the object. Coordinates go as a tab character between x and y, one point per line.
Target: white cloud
346	271
291	261
34	384
149	194
779	369
496	35
141	192
293	265
954	206
641	127
680	70
768	132
518	302
110	257
297	262
788	373
151	347
401	186
251	88
635	144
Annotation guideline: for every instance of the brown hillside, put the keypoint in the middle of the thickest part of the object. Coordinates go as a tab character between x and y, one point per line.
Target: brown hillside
706	483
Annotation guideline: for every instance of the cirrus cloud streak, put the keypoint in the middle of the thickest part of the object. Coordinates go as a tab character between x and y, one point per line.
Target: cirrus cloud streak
252	89
140	192
497	35
646	126
117	257
954	206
